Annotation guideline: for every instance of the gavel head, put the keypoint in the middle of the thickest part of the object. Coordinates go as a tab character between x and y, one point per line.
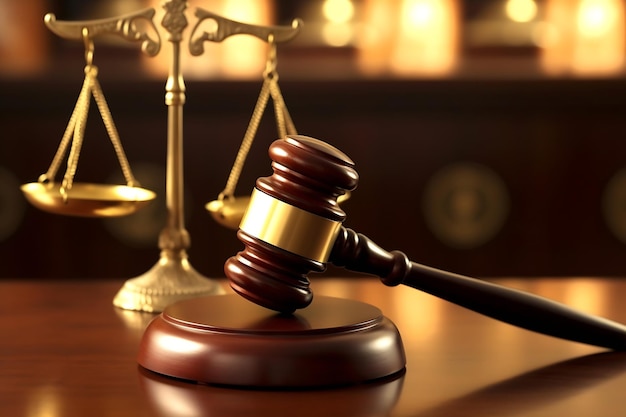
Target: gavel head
291	223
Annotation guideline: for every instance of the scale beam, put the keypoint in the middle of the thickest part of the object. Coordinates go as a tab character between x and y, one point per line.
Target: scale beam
124	26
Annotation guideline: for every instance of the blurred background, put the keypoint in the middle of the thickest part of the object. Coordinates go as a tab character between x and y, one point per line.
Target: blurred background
489	135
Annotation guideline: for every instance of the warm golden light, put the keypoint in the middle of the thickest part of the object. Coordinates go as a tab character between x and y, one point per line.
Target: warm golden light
45	401
596	17
375	36
419	13
587	296
337	34
587	37
338	29
244	56
338	11
424	42
521	10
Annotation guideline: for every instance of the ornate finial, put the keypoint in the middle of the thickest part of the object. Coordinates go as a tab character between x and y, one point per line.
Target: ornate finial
222	28
124	26
174	20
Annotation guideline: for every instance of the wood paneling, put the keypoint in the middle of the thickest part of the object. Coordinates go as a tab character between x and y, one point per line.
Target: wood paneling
554	144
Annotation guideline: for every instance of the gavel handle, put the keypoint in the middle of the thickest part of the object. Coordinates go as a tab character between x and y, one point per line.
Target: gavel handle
358	253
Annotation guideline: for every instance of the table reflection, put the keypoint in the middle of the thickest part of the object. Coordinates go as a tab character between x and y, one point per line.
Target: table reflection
175	398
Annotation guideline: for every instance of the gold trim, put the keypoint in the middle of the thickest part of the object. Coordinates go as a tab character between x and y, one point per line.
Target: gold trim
289	228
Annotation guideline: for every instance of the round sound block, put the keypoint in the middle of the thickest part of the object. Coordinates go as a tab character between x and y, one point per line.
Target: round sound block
228	340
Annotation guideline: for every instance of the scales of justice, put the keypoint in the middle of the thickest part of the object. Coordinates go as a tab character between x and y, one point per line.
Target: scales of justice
271	332
172	277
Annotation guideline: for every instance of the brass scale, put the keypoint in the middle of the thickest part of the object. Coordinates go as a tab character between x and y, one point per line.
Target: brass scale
172	278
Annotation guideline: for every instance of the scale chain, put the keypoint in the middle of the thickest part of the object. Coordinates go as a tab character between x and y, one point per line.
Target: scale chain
283	118
284	124
67	136
79	131
248	138
75	133
113	133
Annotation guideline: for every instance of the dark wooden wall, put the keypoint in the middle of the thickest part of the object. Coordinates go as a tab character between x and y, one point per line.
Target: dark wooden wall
555	145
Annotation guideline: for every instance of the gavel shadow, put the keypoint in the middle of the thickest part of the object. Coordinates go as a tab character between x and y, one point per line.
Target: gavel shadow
517	395
541	387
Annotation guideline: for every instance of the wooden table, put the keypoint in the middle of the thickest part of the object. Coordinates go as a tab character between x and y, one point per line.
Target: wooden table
66	351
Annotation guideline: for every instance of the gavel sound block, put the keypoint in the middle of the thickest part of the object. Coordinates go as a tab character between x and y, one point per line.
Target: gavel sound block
229	340
294	226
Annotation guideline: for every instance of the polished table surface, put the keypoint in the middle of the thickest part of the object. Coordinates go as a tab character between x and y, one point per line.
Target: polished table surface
66	351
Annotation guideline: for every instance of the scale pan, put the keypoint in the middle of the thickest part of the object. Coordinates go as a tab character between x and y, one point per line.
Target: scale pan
88	200
228	212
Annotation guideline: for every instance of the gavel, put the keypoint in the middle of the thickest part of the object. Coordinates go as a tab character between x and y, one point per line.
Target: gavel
293	226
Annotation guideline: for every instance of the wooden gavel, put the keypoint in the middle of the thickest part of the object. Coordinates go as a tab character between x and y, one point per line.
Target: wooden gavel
293	226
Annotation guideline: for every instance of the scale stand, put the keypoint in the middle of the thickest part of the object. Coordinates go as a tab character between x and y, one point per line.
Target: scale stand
172	278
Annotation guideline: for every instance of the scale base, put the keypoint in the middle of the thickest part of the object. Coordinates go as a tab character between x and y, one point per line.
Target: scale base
170	280
227	340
